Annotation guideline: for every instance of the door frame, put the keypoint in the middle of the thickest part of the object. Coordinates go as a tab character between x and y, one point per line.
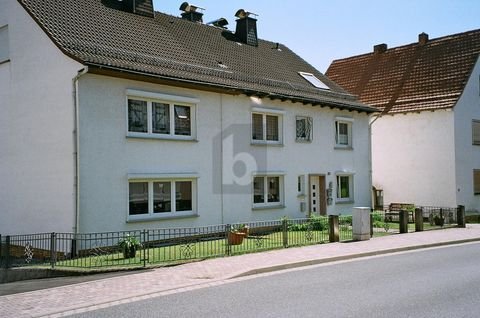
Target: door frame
322	193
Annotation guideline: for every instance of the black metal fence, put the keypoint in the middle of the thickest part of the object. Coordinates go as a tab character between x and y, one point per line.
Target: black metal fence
159	246
168	246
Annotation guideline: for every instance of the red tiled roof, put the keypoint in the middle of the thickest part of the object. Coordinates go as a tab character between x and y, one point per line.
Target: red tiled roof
413	77
175	49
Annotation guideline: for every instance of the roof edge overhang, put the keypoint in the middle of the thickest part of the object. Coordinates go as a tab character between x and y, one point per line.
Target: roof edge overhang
112	71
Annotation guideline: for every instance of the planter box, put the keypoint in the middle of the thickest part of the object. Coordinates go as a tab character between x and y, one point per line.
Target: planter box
235	238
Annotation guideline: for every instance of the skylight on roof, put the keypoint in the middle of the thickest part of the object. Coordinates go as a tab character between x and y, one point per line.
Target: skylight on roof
312	79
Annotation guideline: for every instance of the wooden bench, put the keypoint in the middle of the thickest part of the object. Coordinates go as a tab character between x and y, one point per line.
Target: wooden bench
393	212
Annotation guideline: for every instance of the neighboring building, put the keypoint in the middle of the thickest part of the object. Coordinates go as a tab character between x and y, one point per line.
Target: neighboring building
426	141
116	117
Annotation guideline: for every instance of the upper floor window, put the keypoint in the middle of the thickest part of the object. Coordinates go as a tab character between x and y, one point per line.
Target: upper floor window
267	127
4	44
304	128
476	132
343	132
154	116
344	188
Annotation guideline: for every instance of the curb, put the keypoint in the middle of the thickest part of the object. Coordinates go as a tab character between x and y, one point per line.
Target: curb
350	256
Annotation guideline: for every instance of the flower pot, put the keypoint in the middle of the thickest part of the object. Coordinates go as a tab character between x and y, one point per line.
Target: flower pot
235	238
129	252
245	231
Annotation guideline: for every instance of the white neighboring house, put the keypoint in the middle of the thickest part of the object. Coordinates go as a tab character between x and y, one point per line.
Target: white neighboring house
116	117
426	141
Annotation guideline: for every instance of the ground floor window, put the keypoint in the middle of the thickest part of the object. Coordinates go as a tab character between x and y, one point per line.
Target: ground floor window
267	191
345	188
150	198
476	181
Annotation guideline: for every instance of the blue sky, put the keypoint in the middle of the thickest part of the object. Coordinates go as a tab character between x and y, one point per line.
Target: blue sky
321	31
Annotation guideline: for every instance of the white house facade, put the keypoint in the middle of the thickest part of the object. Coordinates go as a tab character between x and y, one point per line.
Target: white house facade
103	138
425	142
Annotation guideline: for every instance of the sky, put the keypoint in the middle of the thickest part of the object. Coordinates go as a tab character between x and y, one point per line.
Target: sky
321	31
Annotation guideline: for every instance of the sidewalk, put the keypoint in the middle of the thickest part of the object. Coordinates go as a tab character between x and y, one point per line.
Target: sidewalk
105	292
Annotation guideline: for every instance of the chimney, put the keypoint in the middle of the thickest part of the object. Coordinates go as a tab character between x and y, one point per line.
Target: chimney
379	48
191	12
140	7
422	38
246	29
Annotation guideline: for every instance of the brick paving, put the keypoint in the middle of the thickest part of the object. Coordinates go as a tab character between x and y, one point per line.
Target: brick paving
60	301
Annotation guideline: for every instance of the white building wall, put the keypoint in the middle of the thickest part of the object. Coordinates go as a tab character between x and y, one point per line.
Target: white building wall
467	155
413	158
107	156
36	170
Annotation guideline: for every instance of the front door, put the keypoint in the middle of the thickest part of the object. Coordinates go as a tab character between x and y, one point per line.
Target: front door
318	204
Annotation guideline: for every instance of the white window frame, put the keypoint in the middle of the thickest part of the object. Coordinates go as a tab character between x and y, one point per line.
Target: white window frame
349	123
172	101
172	178
309	121
350	198
475	124
270	112
266	204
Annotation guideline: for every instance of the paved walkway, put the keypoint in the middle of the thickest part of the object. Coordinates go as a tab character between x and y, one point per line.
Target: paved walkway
80	297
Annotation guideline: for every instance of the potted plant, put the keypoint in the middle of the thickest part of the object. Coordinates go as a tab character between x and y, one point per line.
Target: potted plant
243	228
235	237
129	245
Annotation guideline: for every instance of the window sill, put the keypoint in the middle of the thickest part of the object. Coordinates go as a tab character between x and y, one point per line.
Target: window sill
345	202
154	137
343	148
268	207
161	218
301	141
266	143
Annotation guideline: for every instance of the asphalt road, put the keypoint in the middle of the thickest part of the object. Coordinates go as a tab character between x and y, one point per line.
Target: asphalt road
443	282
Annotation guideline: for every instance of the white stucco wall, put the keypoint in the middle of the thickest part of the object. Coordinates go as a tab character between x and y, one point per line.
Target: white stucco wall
36	170
107	156
413	158
467	155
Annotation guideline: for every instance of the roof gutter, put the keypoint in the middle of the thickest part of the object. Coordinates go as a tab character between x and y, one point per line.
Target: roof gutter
76	147
237	90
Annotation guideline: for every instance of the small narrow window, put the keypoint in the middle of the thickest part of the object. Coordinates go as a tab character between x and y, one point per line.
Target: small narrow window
137	116
476	132
301	184
344	188
343	134
4	44
161	118
476	182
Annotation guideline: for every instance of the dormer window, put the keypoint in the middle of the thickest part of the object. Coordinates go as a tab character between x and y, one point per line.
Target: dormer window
312	79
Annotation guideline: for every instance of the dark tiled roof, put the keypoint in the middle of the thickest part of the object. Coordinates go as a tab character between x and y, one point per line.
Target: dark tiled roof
171	48
413	77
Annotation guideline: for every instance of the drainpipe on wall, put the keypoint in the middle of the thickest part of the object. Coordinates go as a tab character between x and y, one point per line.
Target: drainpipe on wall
370	156
76	147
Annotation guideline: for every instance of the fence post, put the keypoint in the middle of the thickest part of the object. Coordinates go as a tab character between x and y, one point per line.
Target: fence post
227	245
461	216
333	233
285	232
403	221
145	247
7	252
53	253
418	220
371	223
